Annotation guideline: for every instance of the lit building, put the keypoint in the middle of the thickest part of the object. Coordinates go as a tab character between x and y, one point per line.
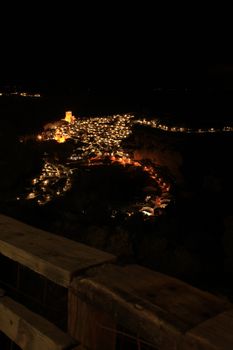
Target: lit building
69	117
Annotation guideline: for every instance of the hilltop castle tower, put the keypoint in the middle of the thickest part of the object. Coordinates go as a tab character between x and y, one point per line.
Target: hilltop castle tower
69	117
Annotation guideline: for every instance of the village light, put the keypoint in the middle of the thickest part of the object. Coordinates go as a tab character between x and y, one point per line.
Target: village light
97	140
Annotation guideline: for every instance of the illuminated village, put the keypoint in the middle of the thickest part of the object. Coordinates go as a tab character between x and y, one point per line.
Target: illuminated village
98	140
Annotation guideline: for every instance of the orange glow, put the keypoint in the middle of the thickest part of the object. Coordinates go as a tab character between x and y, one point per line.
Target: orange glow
69	117
136	164
60	139
158	201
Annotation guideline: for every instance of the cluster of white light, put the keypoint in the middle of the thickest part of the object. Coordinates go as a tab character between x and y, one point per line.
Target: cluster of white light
95	136
22	94
158	125
54	181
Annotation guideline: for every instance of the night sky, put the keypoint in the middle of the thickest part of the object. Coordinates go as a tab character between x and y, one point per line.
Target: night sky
120	77
192	91
220	76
